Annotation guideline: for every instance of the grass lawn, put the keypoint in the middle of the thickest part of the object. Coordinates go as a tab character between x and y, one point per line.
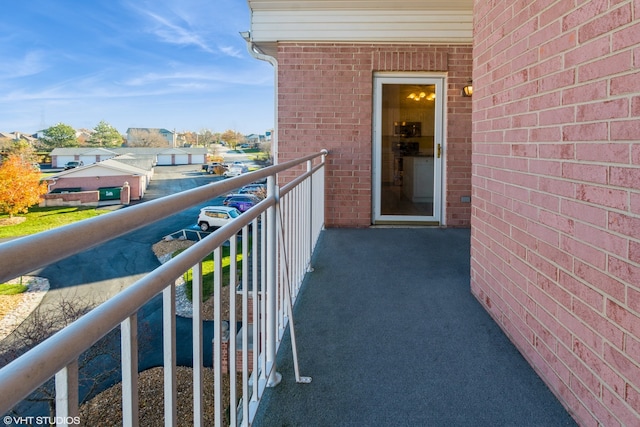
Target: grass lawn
257	155
41	219
208	270
12	288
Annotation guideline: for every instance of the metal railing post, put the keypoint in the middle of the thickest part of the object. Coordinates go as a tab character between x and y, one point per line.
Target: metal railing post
311	213
67	393
271	291
129	366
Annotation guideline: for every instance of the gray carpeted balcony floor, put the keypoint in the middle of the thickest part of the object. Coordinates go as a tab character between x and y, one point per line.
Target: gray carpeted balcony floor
390	334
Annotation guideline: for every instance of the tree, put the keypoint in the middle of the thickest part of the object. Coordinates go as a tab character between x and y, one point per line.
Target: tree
5	143
20	185
232	138
97	365
23	150
105	136
60	135
146	138
206	138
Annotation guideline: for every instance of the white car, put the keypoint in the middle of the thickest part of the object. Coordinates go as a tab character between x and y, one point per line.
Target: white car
235	170
216	216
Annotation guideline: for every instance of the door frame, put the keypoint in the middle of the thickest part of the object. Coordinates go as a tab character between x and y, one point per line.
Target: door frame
410	78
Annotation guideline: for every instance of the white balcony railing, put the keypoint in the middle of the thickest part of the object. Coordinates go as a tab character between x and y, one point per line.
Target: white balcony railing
283	231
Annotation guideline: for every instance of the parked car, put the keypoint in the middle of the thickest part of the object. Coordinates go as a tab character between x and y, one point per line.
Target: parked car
258	190
72	165
242	202
216	216
235	170
214	168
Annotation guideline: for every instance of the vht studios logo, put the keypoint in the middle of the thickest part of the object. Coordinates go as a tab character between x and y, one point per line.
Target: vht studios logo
9	420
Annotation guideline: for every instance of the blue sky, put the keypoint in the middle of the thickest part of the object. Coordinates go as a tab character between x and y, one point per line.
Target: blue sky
173	64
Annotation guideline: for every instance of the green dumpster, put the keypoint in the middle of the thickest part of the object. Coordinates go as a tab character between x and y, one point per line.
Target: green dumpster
109	193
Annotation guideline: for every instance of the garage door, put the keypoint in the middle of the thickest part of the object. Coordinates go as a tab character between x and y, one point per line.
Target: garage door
62	160
181	159
164	159
197	159
88	160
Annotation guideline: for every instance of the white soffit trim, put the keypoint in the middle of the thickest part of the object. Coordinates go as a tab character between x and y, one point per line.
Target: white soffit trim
375	26
361	4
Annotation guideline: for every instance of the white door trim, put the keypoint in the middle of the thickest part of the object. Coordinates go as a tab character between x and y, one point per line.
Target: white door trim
415	78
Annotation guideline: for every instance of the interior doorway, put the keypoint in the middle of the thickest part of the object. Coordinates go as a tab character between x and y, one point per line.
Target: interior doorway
408	149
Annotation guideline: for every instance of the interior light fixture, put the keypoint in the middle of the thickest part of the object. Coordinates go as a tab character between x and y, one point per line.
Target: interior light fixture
468	89
422	96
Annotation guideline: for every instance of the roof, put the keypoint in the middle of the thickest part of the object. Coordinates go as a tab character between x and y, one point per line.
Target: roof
17	135
108	167
146	162
87	151
364	21
90	151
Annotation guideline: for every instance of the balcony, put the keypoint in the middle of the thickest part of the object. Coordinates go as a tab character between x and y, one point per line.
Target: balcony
385	330
390	334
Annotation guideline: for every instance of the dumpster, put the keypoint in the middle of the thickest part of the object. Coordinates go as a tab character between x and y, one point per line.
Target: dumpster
109	193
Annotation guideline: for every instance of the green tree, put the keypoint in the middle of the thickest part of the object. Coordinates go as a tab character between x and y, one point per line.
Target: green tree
105	136
23	150
60	135
20	185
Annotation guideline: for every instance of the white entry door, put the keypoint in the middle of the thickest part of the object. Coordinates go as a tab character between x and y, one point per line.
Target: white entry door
408	148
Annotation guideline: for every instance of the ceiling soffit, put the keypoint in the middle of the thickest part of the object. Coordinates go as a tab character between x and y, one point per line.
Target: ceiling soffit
366	21
451	5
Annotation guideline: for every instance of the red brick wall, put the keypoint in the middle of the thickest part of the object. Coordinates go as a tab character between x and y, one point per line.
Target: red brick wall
325	96
556	194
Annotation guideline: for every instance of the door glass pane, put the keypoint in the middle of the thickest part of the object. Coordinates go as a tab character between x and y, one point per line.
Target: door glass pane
407	144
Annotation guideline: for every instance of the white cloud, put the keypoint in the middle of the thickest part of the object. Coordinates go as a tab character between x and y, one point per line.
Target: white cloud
174	34
230	51
30	64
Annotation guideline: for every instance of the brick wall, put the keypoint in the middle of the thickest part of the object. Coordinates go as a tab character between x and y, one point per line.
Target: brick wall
87	183
82	198
325	97
556	194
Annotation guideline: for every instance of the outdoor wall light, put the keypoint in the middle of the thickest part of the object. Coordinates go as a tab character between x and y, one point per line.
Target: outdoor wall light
468	89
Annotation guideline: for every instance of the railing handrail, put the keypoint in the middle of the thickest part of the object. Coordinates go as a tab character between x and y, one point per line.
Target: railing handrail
26	254
20	376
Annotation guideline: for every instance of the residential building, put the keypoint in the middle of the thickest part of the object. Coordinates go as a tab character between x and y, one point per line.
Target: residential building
543	161
163	156
346	85
107	174
17	136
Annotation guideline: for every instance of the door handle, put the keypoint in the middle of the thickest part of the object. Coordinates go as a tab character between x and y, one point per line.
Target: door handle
439	150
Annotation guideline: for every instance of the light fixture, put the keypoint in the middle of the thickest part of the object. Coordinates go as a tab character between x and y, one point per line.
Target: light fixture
468	89
422	96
